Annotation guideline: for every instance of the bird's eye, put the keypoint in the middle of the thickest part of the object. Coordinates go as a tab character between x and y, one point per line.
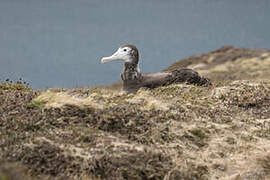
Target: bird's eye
125	49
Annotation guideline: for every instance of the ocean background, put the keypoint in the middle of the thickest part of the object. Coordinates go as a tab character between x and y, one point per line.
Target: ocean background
59	43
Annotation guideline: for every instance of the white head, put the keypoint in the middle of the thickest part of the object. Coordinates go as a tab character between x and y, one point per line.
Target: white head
126	53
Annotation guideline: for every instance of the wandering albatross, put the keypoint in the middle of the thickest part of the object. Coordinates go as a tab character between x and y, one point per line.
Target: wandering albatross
133	79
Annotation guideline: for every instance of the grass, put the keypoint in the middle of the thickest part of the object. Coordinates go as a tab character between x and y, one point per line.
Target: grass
174	132
36	104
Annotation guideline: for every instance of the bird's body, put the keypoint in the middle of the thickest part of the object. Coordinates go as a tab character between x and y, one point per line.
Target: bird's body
133	79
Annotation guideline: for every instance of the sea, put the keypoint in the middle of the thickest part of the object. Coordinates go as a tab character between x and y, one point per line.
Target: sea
59	43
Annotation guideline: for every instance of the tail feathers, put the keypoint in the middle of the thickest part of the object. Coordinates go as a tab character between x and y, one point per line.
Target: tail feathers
189	76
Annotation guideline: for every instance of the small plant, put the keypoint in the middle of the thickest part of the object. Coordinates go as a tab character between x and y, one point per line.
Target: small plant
36	104
14	85
230	140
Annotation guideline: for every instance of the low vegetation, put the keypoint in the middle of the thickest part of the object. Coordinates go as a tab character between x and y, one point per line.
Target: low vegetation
173	132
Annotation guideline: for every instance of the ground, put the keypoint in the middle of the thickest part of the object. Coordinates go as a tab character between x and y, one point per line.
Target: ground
173	132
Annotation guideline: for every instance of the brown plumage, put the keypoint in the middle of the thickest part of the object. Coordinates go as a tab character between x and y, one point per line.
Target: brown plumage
133	79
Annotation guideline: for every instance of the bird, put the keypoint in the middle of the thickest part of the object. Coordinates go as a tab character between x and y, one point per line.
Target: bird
133	79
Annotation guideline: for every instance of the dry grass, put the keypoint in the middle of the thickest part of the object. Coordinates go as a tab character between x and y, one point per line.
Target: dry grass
173	132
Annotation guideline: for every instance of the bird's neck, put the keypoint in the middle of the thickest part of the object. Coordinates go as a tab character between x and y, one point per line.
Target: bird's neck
131	71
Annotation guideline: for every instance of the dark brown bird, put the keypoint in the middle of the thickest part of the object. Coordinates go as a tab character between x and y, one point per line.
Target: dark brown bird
133	79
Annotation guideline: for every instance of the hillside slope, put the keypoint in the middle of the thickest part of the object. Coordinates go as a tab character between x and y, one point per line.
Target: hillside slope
174	132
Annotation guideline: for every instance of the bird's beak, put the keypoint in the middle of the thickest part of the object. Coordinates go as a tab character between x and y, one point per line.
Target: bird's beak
113	57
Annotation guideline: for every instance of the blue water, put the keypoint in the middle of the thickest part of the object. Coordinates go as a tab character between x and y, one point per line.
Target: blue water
59	43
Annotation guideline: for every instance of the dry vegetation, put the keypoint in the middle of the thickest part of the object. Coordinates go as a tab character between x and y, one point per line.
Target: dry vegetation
174	132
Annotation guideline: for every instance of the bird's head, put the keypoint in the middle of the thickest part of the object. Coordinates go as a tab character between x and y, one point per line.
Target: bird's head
126	53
